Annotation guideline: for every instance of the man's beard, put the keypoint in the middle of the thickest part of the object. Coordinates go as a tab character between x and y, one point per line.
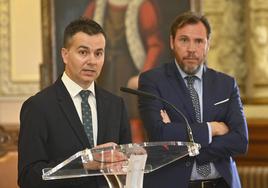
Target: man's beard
189	70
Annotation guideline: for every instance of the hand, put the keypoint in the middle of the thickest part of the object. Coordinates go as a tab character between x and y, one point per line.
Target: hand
133	82
112	159
108	144
110	155
165	117
218	128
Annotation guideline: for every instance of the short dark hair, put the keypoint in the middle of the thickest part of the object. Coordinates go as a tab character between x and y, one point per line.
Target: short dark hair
84	25
189	18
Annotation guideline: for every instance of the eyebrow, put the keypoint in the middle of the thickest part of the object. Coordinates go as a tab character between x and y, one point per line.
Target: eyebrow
87	48
186	36
84	47
180	36
100	49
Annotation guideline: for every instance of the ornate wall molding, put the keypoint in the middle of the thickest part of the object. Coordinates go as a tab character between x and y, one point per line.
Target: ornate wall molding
8	87
258	4
239	45
258	29
228	32
8	139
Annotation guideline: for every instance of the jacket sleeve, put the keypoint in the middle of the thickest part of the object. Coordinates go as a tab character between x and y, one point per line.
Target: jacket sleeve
33	150
32	156
233	143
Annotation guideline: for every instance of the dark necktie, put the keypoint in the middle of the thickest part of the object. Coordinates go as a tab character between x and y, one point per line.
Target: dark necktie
203	170
86	116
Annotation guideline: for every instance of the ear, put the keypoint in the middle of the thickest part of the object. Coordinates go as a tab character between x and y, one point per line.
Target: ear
171	42
208	46
64	55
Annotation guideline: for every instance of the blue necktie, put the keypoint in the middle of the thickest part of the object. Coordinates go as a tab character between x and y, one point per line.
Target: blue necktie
205	169
86	116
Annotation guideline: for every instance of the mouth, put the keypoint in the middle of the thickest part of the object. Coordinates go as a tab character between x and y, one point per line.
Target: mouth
89	72
191	58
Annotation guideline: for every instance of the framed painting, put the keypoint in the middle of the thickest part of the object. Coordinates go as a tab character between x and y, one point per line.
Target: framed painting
56	14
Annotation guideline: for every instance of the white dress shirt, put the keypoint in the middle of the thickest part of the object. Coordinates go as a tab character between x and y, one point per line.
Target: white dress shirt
198	83
74	90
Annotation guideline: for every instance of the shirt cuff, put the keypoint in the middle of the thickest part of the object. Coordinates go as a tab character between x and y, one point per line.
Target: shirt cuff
209	133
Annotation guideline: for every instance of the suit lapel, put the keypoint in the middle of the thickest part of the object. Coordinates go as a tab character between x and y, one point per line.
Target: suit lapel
207	94
68	108
182	94
102	106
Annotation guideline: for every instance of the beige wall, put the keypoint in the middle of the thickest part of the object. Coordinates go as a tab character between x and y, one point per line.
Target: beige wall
25	41
20	55
256	111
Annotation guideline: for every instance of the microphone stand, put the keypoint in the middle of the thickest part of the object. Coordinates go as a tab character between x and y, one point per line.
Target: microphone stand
193	149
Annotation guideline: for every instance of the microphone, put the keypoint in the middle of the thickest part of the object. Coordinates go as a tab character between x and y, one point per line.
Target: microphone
194	148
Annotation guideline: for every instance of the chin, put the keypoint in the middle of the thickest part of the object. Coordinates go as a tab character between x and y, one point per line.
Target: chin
191	70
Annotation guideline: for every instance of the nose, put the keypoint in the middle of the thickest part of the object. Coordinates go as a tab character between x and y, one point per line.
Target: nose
91	60
191	46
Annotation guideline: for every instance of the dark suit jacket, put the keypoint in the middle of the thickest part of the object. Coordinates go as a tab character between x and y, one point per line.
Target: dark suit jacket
51	131
166	82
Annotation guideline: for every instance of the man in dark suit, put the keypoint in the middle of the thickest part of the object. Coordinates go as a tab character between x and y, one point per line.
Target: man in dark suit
210	101
52	121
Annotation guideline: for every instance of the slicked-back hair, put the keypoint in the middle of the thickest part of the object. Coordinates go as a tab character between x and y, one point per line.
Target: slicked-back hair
189	18
84	25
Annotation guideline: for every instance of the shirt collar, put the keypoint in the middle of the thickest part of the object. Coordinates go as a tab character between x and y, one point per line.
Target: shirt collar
199	73
73	88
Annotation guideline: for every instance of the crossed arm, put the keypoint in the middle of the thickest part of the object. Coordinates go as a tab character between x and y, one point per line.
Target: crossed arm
227	124
217	128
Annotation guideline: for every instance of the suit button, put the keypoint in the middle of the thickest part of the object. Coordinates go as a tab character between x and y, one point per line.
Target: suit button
188	163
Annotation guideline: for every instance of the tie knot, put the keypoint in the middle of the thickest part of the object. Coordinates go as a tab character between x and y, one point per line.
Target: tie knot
190	80
84	94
